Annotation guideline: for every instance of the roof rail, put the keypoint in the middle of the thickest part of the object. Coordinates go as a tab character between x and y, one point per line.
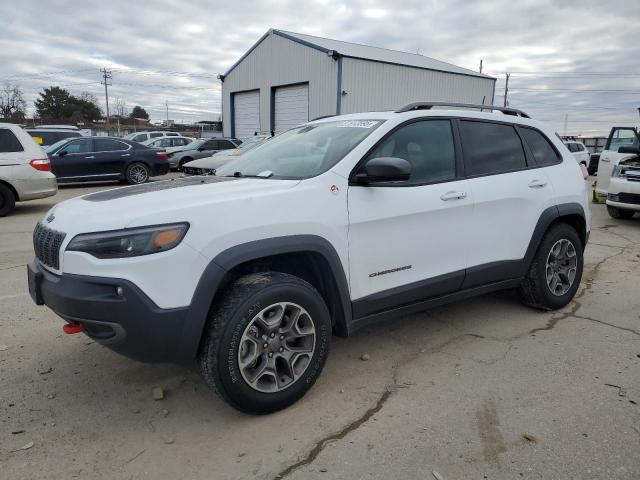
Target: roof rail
428	105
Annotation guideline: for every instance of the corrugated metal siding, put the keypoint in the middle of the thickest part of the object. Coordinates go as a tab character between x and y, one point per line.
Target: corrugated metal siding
379	86
278	61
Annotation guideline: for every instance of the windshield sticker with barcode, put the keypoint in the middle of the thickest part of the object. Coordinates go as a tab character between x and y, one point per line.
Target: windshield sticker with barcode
358	124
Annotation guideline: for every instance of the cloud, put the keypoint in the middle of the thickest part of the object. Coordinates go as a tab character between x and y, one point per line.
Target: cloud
173	52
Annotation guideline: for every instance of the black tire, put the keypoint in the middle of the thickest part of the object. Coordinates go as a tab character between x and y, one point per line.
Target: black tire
137	173
621	213
182	161
534	290
232	316
7	200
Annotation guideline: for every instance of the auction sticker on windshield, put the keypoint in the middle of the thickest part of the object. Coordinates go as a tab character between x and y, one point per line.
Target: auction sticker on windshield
357	124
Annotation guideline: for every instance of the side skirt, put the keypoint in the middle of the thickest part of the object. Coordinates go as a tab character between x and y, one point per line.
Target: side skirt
358	323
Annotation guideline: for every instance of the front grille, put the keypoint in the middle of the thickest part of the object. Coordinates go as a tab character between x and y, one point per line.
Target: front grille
632	198
46	244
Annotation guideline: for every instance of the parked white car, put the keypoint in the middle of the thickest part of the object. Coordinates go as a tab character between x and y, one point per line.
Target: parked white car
327	228
169	144
579	152
209	165
143	136
25	170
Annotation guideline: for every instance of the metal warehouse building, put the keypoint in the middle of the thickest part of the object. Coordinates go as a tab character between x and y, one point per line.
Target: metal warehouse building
289	78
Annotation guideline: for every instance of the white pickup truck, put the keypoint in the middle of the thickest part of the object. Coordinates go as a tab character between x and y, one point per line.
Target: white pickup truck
619	172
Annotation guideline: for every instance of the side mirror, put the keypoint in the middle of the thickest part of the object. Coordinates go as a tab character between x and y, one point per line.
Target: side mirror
384	169
62	153
629	149
201	149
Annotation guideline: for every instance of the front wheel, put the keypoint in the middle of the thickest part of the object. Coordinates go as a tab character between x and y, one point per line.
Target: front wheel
621	213
555	272
137	173
266	342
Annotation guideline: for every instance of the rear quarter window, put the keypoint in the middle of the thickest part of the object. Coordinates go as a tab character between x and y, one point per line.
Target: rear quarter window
9	143
491	148
543	152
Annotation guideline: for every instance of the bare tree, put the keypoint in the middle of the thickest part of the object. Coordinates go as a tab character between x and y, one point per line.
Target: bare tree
121	107
12	104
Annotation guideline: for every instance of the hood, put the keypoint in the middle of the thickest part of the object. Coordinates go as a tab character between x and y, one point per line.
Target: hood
181	199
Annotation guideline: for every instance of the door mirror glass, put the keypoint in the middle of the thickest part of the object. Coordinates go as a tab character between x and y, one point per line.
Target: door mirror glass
384	169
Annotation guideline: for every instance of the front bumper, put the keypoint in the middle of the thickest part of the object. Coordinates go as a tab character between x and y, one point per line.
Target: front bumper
624	194
130	324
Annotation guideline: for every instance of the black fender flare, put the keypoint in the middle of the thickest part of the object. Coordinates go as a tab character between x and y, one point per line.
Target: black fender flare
547	217
213	276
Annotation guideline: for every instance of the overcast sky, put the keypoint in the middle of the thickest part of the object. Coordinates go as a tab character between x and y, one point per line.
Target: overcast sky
168	51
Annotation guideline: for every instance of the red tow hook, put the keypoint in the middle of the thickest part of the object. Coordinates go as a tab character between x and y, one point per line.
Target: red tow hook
71	328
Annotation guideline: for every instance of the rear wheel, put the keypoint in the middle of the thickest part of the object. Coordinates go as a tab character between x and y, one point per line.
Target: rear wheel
266	342
137	173
7	200
555	272
621	213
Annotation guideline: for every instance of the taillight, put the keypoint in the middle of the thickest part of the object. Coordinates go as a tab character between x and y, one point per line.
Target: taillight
42	164
585	172
162	155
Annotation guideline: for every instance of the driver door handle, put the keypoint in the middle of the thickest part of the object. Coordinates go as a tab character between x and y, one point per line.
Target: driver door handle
453	196
537	184
125	155
90	156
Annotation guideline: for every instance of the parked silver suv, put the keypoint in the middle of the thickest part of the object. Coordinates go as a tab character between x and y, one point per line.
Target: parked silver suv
25	170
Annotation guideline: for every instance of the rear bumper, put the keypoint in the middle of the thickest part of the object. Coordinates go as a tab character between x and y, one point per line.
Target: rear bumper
130	324
160	169
36	187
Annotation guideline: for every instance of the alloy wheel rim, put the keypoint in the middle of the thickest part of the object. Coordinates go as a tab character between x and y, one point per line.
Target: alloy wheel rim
138	174
561	267
276	347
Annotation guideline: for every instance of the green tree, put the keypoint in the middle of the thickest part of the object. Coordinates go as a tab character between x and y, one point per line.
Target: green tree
139	112
57	104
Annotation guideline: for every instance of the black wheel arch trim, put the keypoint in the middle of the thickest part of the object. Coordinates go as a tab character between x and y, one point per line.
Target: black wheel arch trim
214	274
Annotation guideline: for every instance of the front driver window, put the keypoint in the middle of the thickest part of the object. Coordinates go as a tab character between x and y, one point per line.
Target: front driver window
427	145
77	146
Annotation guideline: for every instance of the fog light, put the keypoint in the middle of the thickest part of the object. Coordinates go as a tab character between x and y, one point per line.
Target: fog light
614	198
119	291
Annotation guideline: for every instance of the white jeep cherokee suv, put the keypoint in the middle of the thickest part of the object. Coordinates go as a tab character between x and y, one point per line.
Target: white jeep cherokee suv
328	227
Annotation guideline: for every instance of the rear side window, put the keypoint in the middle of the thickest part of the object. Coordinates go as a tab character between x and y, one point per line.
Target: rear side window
226	144
542	150
155	135
172	134
491	148
140	138
108	145
427	145
9	142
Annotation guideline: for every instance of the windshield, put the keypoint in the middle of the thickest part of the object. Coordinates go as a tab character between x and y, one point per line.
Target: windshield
302	152
55	146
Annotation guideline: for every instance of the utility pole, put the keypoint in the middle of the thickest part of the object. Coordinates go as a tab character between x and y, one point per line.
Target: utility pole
506	88
480	65
106	76
166	103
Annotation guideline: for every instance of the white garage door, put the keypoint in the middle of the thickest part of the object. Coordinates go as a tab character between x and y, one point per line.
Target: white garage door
291	106
246	113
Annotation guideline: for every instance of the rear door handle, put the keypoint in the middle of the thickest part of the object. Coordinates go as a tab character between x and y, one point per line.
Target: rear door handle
537	184
453	196
604	160
126	155
91	156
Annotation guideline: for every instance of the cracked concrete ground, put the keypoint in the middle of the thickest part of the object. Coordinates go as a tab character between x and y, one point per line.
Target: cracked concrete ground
485	388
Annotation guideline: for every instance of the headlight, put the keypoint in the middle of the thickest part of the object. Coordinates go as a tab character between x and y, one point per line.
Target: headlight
617	171
130	242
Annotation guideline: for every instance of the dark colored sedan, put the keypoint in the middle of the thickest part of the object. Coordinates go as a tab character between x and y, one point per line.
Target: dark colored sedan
105	158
